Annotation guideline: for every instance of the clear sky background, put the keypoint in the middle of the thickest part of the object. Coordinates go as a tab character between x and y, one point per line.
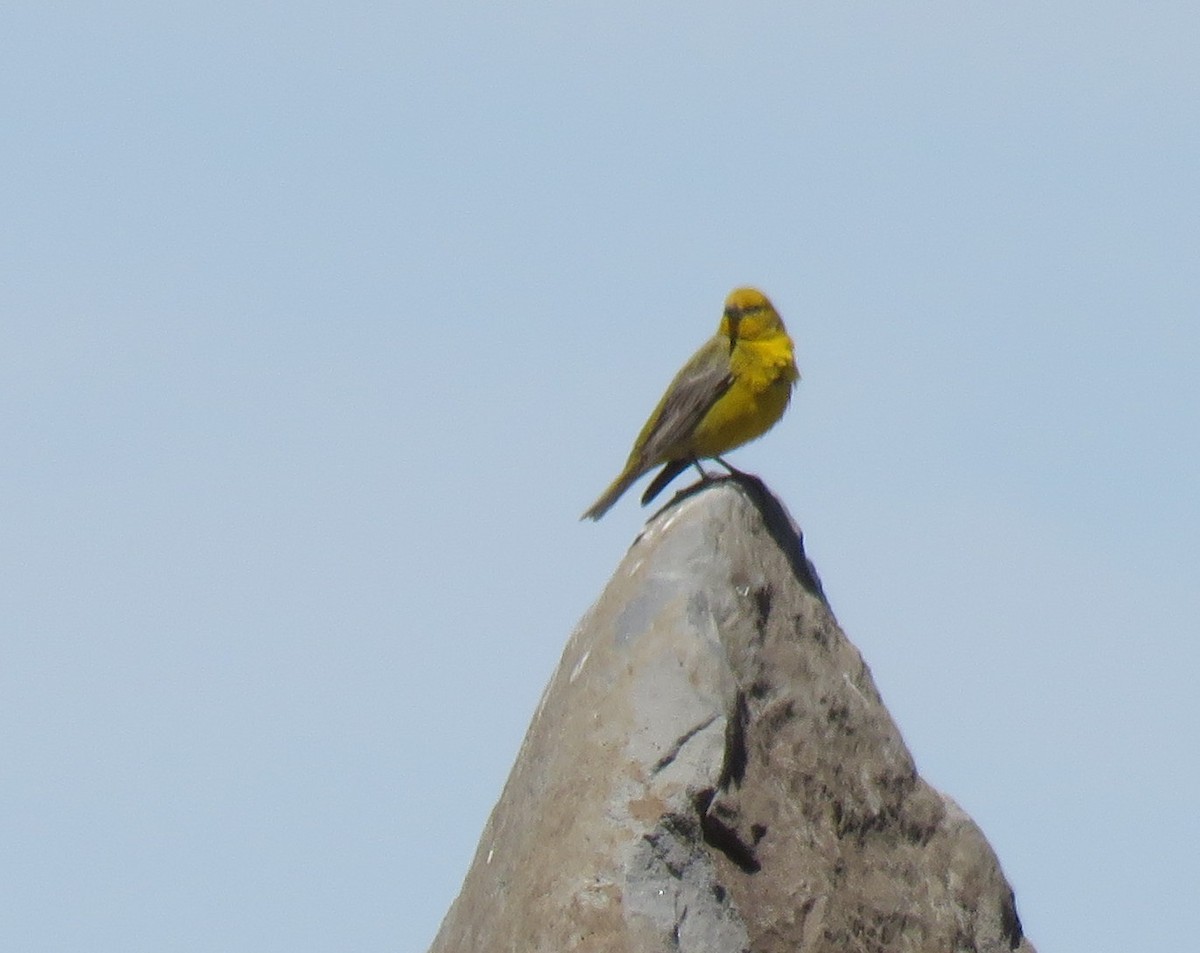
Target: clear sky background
323	322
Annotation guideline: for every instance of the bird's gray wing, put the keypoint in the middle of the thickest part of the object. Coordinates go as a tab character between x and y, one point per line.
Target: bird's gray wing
697	386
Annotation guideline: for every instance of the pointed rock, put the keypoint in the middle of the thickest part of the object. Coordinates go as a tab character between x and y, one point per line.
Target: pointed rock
711	770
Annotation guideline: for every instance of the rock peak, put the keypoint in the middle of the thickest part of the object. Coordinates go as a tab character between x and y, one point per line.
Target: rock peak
711	769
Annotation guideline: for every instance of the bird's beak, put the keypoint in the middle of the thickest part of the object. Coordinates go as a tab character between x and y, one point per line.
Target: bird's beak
735	318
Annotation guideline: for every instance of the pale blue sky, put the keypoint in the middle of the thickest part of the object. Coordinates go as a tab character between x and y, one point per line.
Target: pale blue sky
322	323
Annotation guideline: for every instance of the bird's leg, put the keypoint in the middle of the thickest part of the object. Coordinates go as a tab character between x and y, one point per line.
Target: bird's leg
734	470
704	477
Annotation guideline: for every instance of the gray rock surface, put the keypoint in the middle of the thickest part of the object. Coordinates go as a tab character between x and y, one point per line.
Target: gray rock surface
711	770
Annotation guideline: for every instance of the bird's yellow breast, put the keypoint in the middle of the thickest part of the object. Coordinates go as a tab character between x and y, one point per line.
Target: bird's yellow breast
764	373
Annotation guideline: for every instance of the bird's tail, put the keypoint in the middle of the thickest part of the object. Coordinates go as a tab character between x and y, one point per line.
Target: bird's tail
665	476
612	494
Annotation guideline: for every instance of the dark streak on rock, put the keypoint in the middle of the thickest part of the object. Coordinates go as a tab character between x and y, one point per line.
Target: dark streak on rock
1010	923
733	769
683	739
723	837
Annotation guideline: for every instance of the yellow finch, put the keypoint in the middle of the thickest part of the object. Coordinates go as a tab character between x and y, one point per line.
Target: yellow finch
732	390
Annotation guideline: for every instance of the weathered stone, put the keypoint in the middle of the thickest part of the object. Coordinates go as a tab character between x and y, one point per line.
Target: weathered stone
711	770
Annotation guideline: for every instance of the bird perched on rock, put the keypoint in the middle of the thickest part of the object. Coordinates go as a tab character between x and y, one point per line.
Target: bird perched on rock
732	391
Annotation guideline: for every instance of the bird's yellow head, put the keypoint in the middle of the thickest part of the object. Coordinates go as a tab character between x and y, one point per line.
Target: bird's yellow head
749	316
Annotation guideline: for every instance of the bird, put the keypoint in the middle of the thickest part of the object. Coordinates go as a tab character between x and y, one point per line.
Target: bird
731	391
